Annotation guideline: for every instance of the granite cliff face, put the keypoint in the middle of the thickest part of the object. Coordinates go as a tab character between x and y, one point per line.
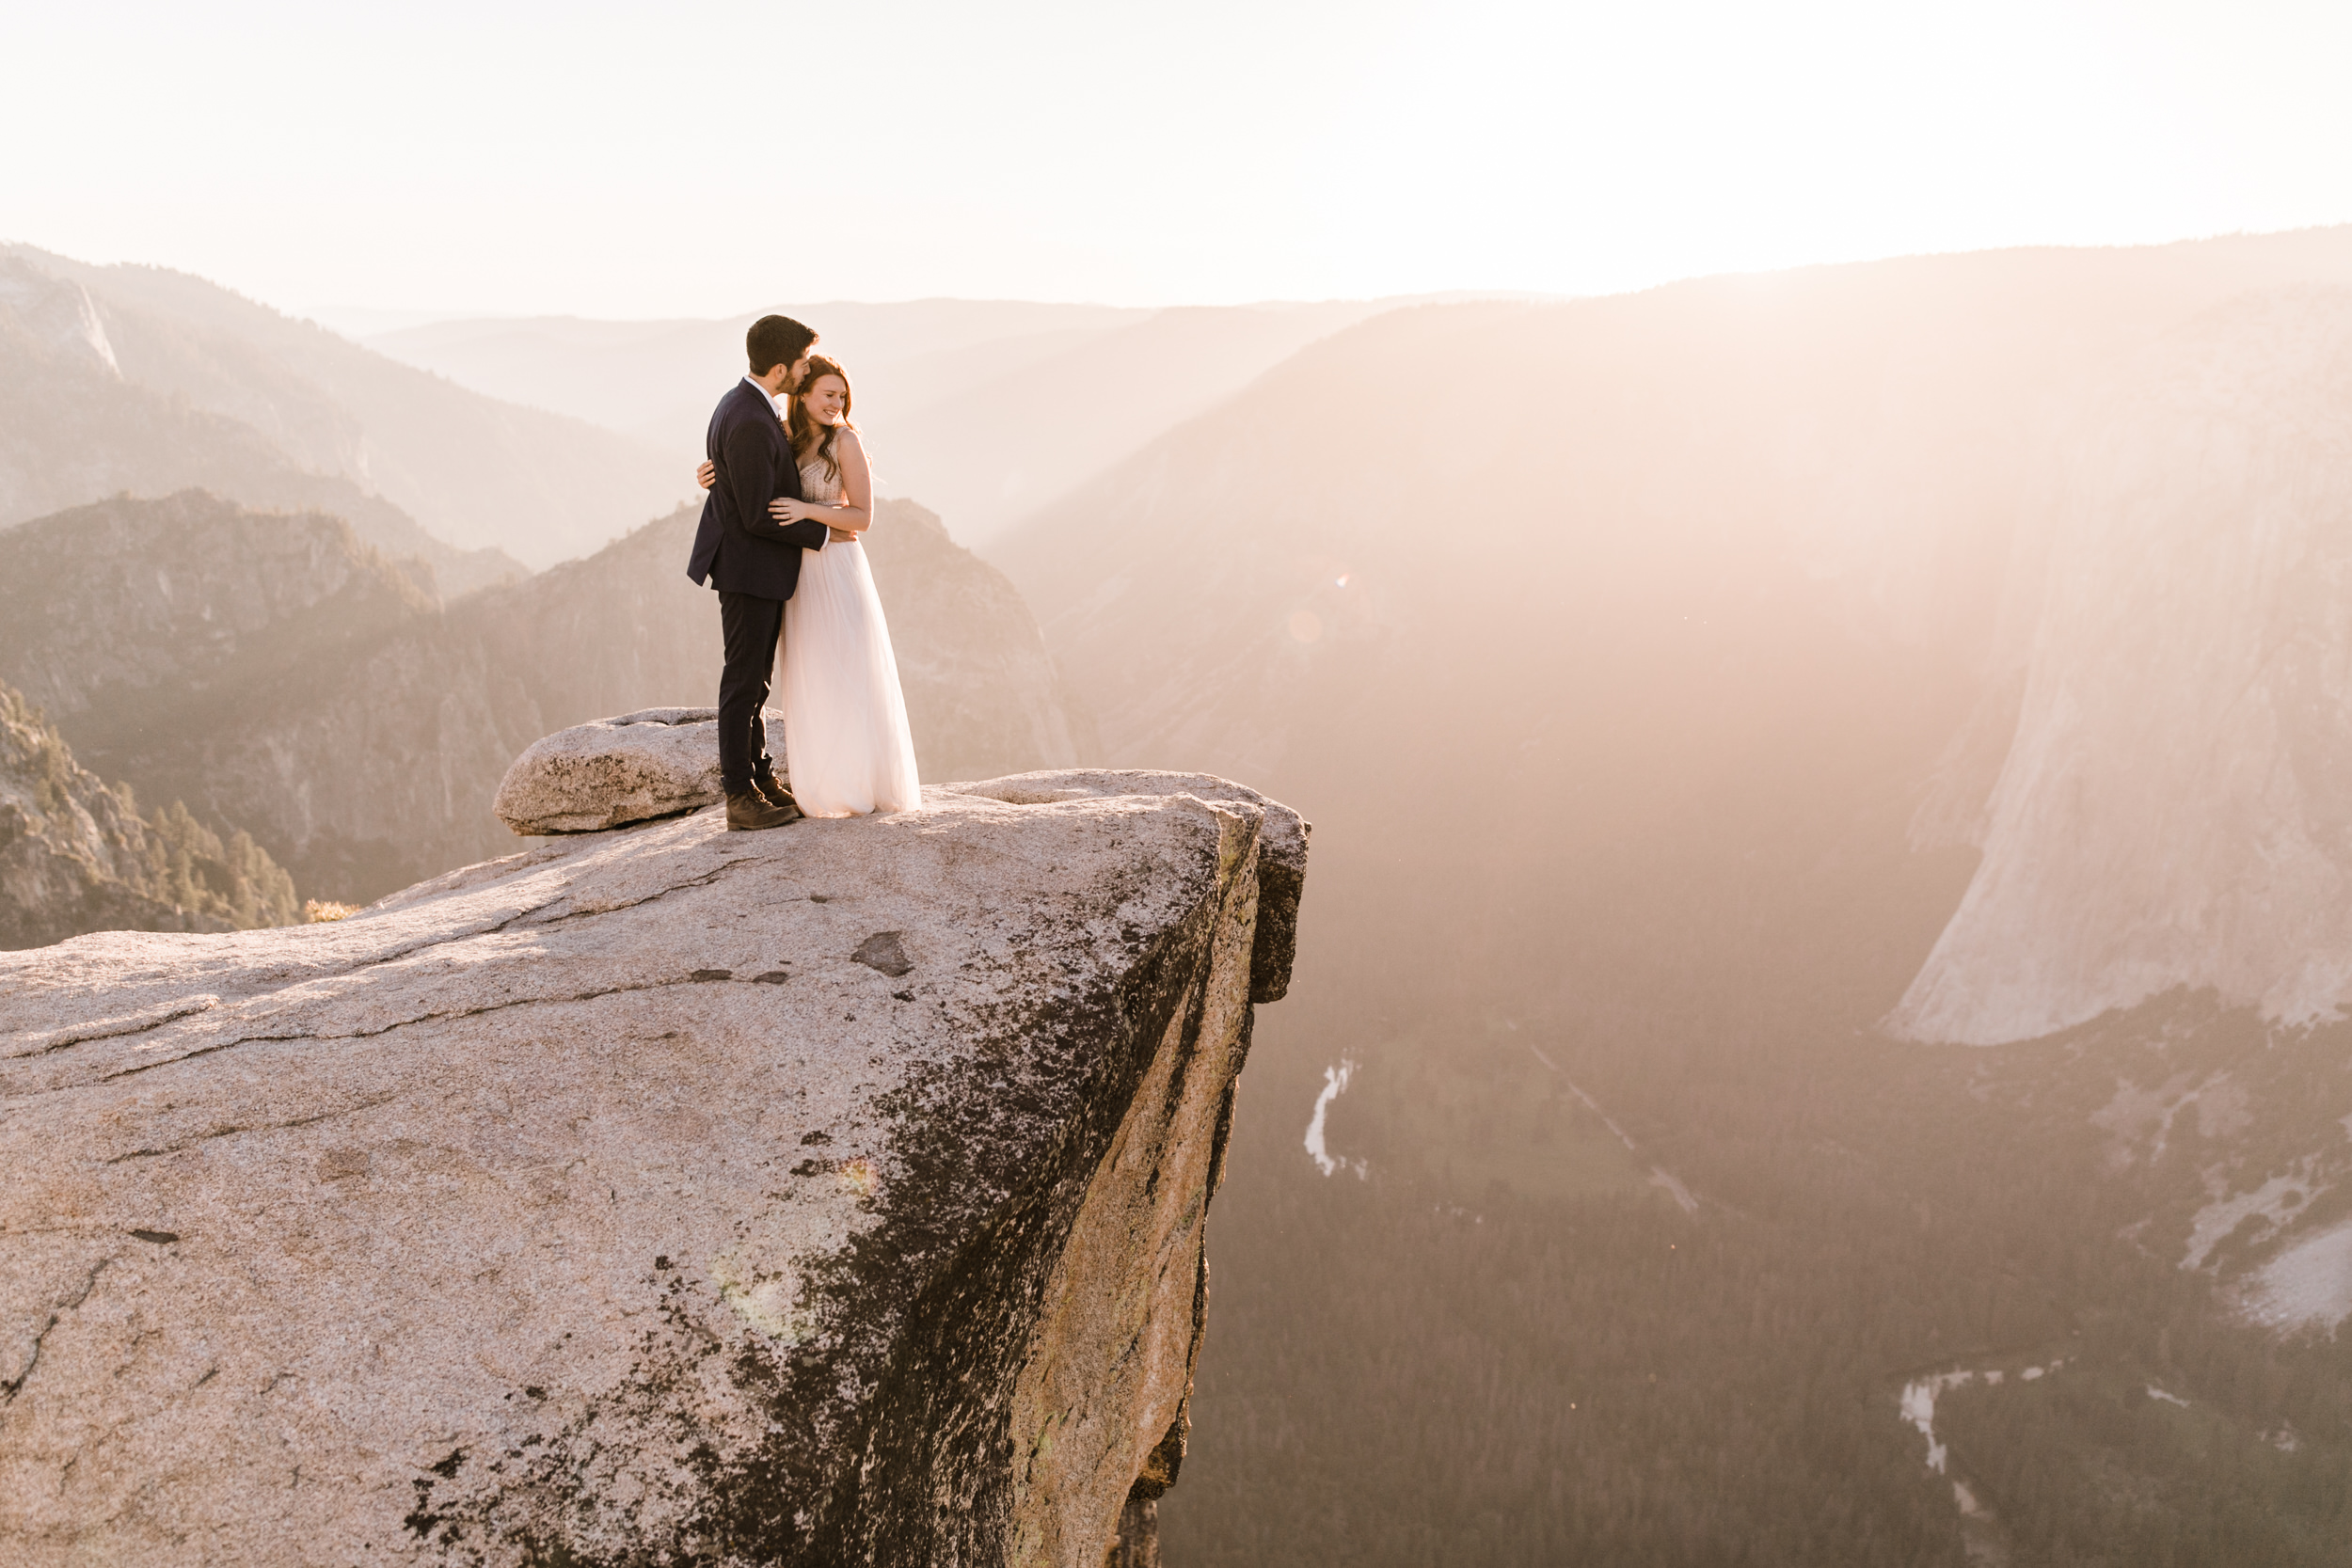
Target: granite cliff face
825	1196
273	671
2173	808
54	317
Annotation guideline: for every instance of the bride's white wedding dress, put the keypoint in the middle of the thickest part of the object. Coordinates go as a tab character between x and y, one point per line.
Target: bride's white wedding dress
846	748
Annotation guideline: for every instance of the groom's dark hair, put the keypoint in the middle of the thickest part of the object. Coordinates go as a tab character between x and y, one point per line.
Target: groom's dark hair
776	340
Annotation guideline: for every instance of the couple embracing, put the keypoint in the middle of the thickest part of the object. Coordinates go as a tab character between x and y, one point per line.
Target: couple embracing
790	496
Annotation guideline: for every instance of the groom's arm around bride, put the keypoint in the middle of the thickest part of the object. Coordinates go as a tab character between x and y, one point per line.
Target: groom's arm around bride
737	539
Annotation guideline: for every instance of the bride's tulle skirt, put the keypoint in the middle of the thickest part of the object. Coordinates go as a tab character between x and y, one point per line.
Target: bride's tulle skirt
846	743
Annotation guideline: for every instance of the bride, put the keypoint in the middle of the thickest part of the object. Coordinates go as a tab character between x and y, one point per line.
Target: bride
846	748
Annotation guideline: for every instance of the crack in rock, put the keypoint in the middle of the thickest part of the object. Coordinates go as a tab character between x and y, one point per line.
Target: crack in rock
89	1282
258	1127
206	1003
400	1024
69	1039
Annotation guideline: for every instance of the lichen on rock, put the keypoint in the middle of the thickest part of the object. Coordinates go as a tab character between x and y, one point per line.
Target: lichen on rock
599	1205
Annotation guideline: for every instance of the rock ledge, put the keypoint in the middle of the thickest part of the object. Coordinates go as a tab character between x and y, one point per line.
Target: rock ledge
603	1204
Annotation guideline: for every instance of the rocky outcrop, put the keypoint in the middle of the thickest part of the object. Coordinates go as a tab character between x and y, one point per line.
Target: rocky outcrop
77	856
824	1195
69	848
610	773
1282	860
273	671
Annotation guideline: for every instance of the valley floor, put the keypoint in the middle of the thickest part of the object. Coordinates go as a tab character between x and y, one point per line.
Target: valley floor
1505	1345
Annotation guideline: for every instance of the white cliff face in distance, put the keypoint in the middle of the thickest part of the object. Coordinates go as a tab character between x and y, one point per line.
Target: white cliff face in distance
55	313
2176	806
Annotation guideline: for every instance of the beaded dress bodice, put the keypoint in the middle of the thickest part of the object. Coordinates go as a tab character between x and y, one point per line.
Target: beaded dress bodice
819	486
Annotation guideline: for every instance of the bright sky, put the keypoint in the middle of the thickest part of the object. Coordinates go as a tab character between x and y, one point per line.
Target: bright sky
703	157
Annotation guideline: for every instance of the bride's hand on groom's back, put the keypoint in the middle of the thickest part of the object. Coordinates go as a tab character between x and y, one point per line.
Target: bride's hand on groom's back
707	475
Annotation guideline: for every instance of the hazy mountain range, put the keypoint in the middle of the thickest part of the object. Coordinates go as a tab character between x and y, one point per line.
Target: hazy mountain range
982	409
1792	538
1692	676
140	373
274	673
76	429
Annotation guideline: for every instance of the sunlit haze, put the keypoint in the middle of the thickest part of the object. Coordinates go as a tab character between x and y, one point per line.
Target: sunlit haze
1540	783
705	158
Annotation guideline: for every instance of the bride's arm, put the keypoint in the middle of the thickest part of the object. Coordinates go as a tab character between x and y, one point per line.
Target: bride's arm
708	473
854	512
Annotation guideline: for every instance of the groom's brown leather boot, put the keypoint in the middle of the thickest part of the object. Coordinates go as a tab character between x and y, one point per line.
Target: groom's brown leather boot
750	810
771	790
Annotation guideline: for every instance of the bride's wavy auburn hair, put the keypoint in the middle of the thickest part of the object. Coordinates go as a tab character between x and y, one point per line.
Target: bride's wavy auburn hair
803	431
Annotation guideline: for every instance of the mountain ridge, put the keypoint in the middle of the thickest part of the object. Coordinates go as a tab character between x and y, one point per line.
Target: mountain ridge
982	408
473	470
76	429
273	671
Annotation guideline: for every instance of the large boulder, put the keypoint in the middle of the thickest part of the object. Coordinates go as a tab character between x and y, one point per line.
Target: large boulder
826	1195
610	772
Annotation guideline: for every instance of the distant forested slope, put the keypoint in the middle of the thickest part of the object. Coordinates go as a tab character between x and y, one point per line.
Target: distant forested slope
77	855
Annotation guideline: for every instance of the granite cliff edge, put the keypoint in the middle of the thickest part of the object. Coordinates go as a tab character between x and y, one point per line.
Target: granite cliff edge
655	1195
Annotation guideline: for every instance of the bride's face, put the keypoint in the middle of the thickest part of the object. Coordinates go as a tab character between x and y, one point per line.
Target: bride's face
824	399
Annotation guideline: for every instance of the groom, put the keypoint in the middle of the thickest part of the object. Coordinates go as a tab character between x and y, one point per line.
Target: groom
753	560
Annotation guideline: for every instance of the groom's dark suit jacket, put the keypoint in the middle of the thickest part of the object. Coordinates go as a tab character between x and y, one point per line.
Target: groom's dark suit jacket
738	546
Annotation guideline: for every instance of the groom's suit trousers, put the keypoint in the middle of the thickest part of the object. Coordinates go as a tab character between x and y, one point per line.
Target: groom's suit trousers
751	626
